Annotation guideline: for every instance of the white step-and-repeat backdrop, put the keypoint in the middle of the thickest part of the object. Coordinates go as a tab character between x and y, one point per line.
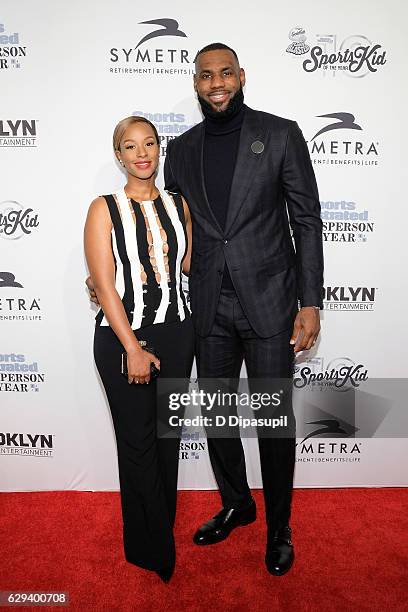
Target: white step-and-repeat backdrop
68	73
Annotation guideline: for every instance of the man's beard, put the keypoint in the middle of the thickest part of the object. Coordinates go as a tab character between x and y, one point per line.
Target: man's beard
233	107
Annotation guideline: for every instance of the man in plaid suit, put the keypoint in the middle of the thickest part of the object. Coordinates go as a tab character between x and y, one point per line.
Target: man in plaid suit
254	296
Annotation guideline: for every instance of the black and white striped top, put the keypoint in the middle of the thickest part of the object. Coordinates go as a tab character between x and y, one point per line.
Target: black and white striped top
148	243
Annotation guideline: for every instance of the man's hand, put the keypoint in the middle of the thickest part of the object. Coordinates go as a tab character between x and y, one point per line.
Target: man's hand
92	294
306	328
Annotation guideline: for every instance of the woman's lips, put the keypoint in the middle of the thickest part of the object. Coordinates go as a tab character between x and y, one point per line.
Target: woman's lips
142	165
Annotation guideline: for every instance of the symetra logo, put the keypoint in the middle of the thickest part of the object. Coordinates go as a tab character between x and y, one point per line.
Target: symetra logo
16	305
345	121
11	52
18	133
146	57
335	421
7	279
354	56
168	27
16	221
34	445
349	148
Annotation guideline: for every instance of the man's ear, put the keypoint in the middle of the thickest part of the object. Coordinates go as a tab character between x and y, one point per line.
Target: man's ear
242	76
195	82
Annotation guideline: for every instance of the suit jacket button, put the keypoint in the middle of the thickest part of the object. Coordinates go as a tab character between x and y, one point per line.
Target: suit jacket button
225	241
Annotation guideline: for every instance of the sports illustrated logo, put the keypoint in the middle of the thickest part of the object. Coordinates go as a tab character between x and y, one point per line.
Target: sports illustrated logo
343	222
11	52
19	376
15	305
348	148
17	133
355	56
168	125
349	298
147	57
341	374
191	446
34	445
16	221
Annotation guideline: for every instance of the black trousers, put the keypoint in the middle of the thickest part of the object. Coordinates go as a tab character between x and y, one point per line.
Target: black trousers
220	355
148	465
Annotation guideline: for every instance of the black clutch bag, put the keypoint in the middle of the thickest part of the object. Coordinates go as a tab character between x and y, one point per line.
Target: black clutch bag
154	372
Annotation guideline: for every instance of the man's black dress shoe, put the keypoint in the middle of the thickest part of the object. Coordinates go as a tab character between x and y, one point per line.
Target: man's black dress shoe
279	551
220	526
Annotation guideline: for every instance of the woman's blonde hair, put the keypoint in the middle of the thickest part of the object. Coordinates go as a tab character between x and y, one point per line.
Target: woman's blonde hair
123	125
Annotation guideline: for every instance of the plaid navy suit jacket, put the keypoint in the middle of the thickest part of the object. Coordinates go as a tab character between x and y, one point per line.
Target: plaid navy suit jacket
270	274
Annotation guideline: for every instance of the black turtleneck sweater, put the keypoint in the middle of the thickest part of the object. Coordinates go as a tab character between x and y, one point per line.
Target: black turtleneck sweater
220	154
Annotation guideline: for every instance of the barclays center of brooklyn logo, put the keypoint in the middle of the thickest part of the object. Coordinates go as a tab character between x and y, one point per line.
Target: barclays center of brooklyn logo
12	53
191	445
344	221
340	374
168	125
17	133
17	304
342	298
16	221
354	56
34	445
18	374
340	140
161	51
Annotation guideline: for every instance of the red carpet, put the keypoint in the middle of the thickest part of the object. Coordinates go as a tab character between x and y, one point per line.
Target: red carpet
351	548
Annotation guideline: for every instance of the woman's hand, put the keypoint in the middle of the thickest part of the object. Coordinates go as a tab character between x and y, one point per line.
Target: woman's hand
138	363
91	291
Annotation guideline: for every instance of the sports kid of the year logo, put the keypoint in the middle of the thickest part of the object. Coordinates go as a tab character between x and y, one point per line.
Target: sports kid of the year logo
12	53
341	374
354	56
16	221
161	51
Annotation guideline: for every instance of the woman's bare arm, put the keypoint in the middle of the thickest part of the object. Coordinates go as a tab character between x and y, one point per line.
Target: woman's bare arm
189	230
99	256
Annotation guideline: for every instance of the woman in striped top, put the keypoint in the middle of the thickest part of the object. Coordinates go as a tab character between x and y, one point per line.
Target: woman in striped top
137	242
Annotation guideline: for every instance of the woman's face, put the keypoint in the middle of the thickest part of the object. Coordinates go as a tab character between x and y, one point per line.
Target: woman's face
139	151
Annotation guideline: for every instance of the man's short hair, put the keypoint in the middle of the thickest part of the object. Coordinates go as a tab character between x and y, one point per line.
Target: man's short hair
215	47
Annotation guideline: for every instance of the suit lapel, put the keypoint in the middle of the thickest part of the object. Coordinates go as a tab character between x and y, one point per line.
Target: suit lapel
245	166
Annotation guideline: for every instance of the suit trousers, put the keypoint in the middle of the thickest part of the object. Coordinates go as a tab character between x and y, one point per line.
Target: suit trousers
148	465
220	355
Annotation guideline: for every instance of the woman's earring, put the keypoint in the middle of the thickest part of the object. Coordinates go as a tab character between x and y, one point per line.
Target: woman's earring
121	162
